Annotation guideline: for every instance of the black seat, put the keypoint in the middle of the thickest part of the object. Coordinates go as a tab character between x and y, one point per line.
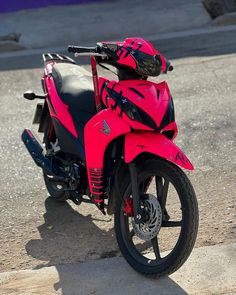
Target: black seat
73	88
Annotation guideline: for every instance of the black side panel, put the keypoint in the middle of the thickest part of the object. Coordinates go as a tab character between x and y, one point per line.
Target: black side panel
68	143
80	120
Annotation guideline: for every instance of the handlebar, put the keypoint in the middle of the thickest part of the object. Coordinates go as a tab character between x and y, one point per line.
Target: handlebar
86	51
103	52
82	50
79	49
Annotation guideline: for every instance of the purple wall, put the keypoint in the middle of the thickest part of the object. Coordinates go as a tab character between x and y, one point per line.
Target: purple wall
14	5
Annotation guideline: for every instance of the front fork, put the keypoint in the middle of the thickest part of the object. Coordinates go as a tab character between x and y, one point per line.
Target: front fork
139	214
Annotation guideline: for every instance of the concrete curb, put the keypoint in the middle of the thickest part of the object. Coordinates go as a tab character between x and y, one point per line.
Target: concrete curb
8	45
209	270
225	20
156	37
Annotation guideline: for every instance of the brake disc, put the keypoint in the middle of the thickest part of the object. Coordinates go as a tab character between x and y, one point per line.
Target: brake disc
149	229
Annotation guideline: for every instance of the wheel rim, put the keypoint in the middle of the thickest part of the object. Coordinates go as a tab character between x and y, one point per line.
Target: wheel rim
149	252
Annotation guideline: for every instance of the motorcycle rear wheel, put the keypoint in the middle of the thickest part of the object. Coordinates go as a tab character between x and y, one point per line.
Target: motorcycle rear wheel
136	251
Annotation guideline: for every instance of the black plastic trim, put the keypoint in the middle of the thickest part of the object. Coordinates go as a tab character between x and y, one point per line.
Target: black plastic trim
131	110
44	119
169	114
38	113
136	91
67	142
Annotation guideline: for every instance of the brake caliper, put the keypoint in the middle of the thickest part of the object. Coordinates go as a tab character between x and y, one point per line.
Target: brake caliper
128	208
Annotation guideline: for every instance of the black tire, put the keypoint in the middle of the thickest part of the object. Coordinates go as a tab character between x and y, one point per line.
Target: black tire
189	223
58	194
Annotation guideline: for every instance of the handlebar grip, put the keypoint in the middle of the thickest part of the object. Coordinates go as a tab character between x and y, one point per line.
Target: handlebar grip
72	48
169	67
79	49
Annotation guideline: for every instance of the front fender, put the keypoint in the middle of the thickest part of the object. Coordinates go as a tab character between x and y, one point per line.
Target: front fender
156	144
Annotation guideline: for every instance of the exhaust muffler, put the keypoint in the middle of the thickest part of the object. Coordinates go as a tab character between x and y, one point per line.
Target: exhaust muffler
36	151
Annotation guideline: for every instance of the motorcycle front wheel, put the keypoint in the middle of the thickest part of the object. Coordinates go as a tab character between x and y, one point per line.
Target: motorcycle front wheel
161	244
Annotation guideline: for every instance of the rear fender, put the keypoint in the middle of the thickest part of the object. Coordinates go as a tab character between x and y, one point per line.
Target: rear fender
156	144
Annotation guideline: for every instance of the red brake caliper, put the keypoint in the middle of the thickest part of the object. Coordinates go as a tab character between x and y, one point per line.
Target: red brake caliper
128	208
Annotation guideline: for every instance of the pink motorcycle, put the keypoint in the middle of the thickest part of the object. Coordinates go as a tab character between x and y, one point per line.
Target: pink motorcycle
114	147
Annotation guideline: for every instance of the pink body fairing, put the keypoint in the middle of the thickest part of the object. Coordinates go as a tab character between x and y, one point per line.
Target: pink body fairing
57	107
156	144
151	97
110	124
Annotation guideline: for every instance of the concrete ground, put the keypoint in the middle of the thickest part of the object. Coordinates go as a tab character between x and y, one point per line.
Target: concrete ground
209	270
36	232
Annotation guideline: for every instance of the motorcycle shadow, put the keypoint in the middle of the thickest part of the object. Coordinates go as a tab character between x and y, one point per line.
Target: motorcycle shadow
70	237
